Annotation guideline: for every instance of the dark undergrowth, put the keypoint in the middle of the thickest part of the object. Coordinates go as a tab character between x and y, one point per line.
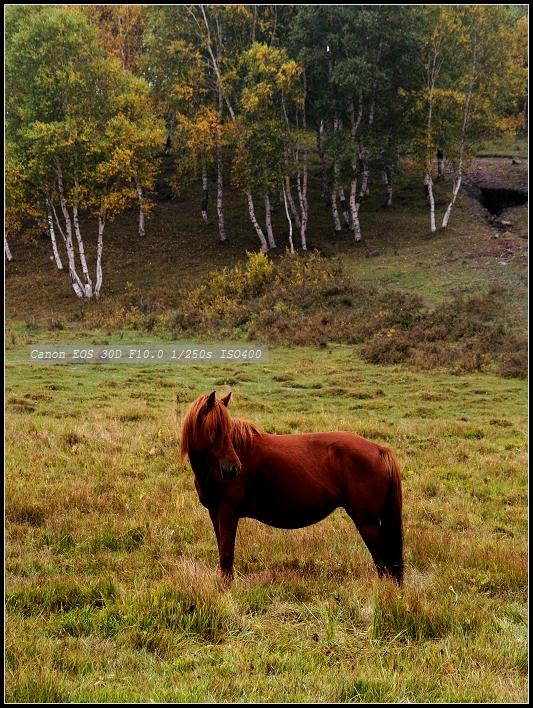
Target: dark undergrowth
311	300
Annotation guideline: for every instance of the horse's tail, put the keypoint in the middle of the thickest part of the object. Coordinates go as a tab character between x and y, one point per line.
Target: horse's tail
391	531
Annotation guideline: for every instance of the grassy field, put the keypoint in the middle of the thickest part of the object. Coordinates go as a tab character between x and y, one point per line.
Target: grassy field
506	147
111	561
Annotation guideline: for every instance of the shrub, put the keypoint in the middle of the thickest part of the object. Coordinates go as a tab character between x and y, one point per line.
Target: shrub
515	364
309	300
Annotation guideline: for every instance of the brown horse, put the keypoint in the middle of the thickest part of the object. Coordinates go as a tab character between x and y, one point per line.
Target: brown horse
291	481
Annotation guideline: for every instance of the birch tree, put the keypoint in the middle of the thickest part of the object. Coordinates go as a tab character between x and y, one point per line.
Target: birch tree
484	83
341	48
82	127
191	56
468	82
121	32
439	23
267	146
314	41
18	204
186	96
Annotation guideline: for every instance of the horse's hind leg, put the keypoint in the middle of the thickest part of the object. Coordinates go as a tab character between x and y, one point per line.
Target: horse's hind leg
370	533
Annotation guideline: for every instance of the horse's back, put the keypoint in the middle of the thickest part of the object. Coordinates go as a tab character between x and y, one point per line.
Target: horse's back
343	446
330	455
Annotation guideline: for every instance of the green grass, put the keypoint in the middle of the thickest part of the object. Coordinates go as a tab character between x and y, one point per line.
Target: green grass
112	590
506	147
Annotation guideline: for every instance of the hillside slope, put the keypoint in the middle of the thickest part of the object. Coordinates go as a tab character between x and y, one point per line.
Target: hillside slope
179	250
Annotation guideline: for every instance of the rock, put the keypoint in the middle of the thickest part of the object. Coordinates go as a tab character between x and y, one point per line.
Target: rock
502	224
373	254
516	161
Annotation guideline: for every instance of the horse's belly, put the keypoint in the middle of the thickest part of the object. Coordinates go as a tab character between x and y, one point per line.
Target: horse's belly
291	498
291	518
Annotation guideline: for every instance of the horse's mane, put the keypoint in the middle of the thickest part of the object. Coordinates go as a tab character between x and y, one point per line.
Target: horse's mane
215	420
242	433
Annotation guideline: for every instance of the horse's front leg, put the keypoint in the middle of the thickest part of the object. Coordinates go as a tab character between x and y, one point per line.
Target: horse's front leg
213	513
227	530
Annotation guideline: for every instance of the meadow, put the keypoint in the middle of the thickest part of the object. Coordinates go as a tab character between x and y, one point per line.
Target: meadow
111	562
112	591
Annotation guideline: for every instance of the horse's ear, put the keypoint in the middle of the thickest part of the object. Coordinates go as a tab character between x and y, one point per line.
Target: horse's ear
210	401
226	399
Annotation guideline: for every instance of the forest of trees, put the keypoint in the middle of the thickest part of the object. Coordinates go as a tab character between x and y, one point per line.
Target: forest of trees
254	95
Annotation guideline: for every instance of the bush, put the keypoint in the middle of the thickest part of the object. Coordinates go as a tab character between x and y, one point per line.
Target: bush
309	300
515	364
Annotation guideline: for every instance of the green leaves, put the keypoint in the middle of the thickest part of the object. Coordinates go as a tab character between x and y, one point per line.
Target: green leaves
68	102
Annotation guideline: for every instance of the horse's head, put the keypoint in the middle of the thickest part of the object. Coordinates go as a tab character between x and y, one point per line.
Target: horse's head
207	429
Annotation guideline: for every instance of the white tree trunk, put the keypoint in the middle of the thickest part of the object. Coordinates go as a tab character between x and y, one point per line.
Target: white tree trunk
356	224
205	195
214	62
456	187
364	155
466	120
302	186
99	249
428	182
355	122
220	174
335	188
52	233
259	231
366	185
301	216
294	210
268	222
77	285
88	282
304	206
354	205
220	195
141	208
7	250
432	72
344	207
323	183
387	180
288	218
334	209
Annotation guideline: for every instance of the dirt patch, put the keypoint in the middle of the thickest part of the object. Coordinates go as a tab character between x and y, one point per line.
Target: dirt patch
496	199
501	189
497	173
